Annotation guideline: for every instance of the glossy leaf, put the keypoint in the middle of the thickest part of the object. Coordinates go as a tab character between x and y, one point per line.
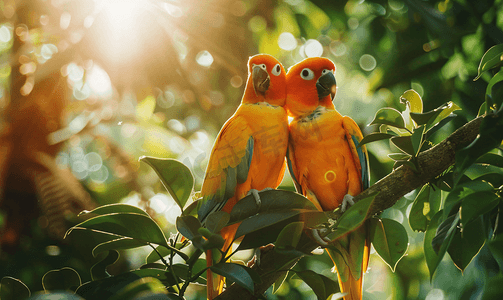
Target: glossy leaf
115	208
431	256
403	143
352	218
493	289
136	226
174	175
236	273
425	206
369	138
491	159
290	235
279	282
389	116
465	245
496	247
55	295
390	240
399	156
118	244
270	200
13	289
321	285
217	220
416	139
445	111
188	226
496	179
264	220
491	59
154	255
99	270
414	100
141	286
490	137
477	204
424	118
62	279
431	130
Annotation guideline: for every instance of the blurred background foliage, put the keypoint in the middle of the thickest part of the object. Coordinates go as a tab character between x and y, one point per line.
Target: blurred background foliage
95	84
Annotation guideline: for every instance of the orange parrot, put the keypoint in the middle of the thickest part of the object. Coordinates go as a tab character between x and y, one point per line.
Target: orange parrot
325	163
249	152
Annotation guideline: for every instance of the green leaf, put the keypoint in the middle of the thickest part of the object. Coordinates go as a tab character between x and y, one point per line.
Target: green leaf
424	118
118	244
182	271
114	208
496	247
142	286
404	143
132	225
290	235
491	59
414	100
498	77
399	156
491	159
465	245
390	240
352	218
377	136
425	206
188	226
55	295
13	289
270	200
493	288
477	204
153	256
175	177
217	220
321	285
445	111
62	279
490	137
495	179
389	116
236	273
279	282
416	139
431	256
99	270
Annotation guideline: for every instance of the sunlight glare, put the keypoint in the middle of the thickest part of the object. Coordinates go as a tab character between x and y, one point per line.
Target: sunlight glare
121	12
99	81
204	58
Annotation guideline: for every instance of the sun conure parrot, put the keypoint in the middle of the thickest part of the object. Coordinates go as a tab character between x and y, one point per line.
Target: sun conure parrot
249	152
325	163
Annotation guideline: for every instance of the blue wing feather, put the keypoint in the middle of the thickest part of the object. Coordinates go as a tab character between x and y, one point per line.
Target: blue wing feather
364	163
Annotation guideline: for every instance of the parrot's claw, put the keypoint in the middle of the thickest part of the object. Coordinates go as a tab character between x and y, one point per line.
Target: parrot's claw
255	194
317	235
347	201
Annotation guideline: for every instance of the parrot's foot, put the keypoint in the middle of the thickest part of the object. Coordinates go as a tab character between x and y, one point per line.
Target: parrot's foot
347	201
318	235
255	194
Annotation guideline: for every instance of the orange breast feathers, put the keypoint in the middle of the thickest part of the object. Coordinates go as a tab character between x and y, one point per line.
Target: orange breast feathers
249	152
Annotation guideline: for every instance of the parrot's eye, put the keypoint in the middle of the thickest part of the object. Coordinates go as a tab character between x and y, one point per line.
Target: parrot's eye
307	74
325	71
262	66
276	70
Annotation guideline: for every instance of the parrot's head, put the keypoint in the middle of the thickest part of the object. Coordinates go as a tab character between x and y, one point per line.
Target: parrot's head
266	81
310	83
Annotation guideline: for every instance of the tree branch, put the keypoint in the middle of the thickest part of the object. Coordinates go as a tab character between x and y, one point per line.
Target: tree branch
391	188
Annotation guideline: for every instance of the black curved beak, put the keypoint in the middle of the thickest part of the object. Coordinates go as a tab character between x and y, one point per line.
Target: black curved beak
260	79
326	85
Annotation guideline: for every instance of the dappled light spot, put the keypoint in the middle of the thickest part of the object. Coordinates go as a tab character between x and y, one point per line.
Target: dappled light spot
64	21
368	62
5	34
257	24
172	213
52	250
236	81
217	98
99	81
28	68
204	58
88	21
172	10
176	145
353	23
93	161
200	139
287	41
159	202
176	126
75	73
128	130
100	175
48	50
165	99
79	169
313	48
28	86
192	122
81	91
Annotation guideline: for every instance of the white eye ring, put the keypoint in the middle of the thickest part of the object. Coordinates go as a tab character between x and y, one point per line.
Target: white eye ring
276	70
325	71
262	66
307	74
